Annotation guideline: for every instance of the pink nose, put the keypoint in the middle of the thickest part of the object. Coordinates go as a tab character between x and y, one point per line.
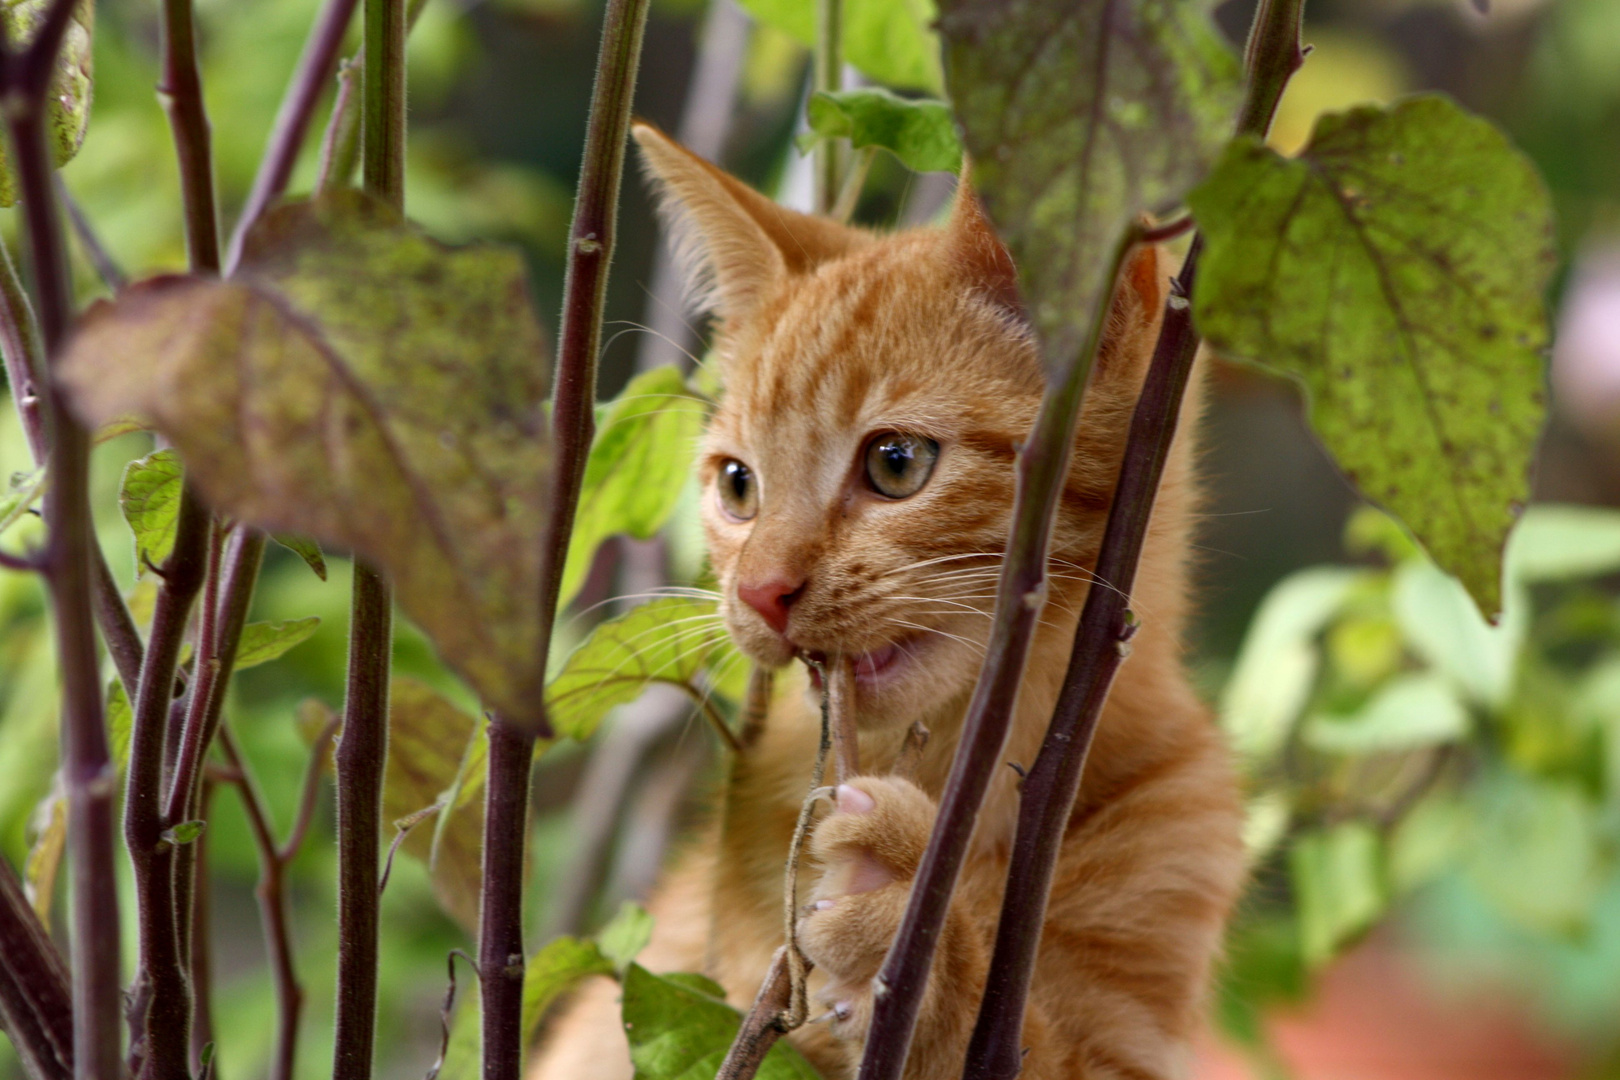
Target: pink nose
771	598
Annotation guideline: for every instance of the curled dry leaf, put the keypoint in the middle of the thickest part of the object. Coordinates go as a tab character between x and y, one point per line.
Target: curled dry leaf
362	384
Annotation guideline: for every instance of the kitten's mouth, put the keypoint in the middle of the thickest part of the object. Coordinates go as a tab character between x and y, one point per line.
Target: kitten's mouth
871	668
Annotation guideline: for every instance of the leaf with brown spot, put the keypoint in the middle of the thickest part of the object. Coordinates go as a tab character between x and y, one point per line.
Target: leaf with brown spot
1080	115
362	384
1397	269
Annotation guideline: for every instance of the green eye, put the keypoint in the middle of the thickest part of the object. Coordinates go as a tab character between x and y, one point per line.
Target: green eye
739	495
899	465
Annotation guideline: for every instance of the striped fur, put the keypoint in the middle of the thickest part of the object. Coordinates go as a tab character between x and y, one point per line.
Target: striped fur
828	334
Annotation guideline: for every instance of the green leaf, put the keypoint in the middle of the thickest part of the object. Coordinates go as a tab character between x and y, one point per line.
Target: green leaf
120	723
21	492
1407	712
150	500
922	134
1277	664
1079	116
1444	626
305	548
890	41
186	832
680	1028
68	100
1428	840
1560	543
555	970
359	383
665	640
1536	853
1397	270
263	642
645	442
429	738
1338	886
623	938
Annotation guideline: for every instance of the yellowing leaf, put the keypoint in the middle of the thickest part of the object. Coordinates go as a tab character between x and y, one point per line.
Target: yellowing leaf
1397	270
428	737
359	383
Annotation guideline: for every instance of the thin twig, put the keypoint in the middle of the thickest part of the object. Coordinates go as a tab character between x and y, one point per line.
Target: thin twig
1048	792
180	90
840	703
316	65
107	267
781	1005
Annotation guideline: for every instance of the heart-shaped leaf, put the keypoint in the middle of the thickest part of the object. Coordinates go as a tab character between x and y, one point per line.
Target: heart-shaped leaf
1396	268
360	383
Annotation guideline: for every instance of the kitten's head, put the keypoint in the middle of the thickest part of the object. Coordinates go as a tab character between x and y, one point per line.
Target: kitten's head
858	472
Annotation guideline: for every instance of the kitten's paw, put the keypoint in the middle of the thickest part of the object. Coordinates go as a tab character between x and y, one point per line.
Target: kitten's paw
868	849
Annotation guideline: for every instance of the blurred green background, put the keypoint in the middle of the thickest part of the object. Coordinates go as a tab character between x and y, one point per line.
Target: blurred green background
1527	903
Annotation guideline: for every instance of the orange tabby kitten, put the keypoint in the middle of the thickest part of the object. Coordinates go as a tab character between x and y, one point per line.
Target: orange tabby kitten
858	488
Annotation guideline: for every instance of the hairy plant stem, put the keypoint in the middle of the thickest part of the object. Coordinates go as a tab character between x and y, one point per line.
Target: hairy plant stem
362	754
163	990
1048	793
24	358
362	751
180	89
316	66
340	143
827	76
90	779
511	745
35	1003
1043	463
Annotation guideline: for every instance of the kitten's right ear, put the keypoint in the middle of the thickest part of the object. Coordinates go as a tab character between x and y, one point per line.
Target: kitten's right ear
734	244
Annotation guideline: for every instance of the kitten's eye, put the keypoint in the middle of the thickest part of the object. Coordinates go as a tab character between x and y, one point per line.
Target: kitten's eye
739	495
899	465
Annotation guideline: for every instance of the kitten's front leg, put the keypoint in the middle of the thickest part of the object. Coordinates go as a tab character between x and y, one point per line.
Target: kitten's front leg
868	849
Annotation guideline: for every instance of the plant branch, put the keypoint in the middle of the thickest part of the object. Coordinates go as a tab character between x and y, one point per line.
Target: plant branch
362	753
272	888
106	266
1106	625
90	779
35	1005
827	76
180	90
511	749
316	66
162	987
1043	464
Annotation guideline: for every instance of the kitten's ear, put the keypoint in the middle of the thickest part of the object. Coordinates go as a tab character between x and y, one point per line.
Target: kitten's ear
978	253
1138	305
734	244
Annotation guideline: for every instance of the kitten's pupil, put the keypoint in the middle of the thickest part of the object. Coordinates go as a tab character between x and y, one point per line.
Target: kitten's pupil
899	465
739	498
